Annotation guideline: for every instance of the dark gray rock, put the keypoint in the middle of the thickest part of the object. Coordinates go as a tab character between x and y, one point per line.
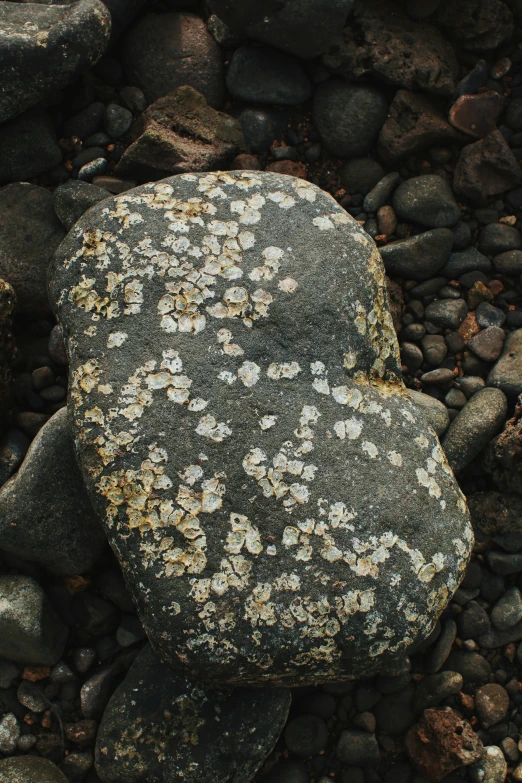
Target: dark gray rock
264	75
195	374
486	168
45	47
491	704
165	51
30	232
86	122
30	769
177	728
177	133
93	168
508	609
504	563
434	411
116	120
306	735
427	200
11	447
509	263
477	25
287	26
507	372
30	632
380	194
97	690
497	238
487	344
28	146
469	260
262	126
473	621
45	513
489	315
446	313
73	199
347	116
383	42
434	348
358	748
472	666
418	257
477	423
394	712
360	175
434	688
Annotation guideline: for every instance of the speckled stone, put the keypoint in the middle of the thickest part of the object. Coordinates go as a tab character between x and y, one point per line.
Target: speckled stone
30	769
280	507
159	727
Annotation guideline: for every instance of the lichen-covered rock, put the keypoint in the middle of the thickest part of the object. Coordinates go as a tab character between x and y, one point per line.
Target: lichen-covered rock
44	47
30	769
7	306
281	509
45	513
180	133
160	727
384	42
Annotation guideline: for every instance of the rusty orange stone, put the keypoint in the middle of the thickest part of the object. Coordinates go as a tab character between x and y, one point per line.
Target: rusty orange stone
36	673
469	327
476	115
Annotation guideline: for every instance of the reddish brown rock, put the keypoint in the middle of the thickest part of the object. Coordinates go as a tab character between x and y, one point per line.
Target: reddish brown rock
291	167
504	457
476	115
469	327
384	42
414	123
486	168
441	742
180	133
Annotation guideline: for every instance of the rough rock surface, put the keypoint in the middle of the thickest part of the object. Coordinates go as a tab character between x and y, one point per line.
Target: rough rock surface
486	168
414	123
477	25
30	769
30	232
45	513
234	361
286	25
7	306
382	41
30	631
160	727
503	458
46	47
441	742
179	133
165	51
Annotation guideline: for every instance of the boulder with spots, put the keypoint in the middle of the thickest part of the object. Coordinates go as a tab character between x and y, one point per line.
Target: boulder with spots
281	509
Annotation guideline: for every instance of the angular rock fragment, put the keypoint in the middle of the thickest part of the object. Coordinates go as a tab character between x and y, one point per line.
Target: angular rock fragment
45	514
30	631
286	25
160	727
382	41
486	168
503	458
180	133
414	123
441	742
263	475
45	47
476	114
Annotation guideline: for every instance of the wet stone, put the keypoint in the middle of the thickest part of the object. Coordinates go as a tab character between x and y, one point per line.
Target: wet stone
204	734
447	313
218	403
428	201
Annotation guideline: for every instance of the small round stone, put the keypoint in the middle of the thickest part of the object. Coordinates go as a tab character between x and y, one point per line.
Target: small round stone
358	748
116	120
306	735
491	704
508	609
426	200
9	733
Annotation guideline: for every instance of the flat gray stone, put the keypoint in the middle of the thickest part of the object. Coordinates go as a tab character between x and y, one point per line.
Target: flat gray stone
262	473
160	727
30	631
45	513
477	423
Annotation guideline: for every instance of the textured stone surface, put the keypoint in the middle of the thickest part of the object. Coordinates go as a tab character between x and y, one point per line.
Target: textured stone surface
503	458
507	372
30	232
160	727
486	168
178	133
45	47
165	51
442	742
30	631
286	25
382	41
45	513
477	25
30	769
269	486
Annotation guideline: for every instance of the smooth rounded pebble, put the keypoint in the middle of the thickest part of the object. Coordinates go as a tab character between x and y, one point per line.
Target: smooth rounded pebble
477	423
434	410
507	372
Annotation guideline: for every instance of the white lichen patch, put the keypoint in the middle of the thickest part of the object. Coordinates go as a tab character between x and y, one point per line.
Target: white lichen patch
209	428
284	370
249	373
268	421
116	339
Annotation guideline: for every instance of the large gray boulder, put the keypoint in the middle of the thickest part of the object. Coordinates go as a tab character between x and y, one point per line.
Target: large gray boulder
280	507
45	513
160	727
45	47
30	769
